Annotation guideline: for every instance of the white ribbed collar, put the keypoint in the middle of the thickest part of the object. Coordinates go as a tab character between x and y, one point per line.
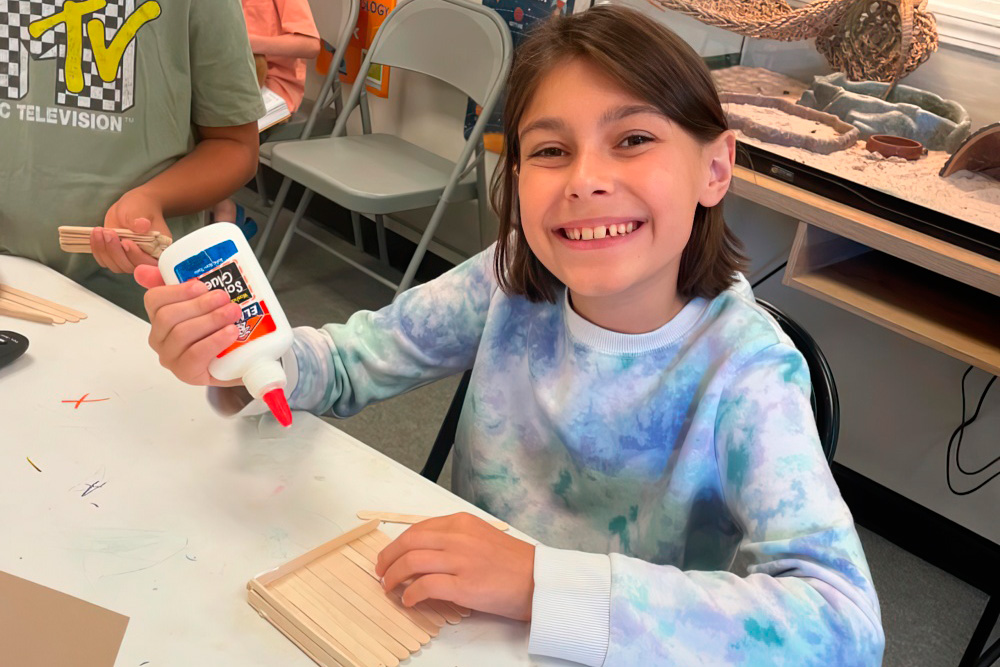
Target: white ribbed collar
612	342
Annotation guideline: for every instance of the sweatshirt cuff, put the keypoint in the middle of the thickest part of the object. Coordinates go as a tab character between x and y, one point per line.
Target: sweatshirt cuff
237	401
571	606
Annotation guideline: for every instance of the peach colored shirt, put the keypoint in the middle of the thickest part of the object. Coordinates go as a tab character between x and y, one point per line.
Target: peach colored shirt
273	18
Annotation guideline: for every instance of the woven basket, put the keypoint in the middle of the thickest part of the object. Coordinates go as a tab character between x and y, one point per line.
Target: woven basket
879	40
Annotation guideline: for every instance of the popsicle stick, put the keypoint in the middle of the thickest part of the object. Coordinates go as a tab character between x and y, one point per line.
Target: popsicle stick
123	232
26	314
392	517
311	619
150	249
318	653
415	623
365	608
370	554
37	299
383	540
332	596
445	610
369	548
305	625
66	317
425	609
69	230
464	612
420	609
295	587
77	240
371	543
11	304
303	560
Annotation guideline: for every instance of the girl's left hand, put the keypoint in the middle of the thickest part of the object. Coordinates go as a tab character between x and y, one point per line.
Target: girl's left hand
462	559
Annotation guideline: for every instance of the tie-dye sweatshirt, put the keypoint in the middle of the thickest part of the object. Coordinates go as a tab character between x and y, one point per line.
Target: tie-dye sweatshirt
643	463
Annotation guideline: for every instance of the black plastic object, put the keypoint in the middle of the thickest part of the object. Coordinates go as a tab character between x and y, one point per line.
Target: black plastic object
12	346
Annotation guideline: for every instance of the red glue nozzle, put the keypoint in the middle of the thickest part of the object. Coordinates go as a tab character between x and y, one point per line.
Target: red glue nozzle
275	400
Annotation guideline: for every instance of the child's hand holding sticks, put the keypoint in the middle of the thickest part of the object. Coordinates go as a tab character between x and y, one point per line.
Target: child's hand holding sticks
78	239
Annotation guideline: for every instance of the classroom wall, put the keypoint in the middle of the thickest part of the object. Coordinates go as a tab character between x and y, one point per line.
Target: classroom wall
900	400
431	115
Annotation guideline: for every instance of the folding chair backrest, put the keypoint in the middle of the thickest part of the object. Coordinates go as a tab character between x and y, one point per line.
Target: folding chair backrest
335	19
457	41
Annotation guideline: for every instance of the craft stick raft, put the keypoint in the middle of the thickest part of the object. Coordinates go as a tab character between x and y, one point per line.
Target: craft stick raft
330	603
392	517
77	239
27	306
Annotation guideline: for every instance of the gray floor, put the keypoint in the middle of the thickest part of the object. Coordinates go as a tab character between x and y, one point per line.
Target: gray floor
928	615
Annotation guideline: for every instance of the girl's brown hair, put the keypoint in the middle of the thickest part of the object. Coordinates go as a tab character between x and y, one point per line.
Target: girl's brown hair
653	64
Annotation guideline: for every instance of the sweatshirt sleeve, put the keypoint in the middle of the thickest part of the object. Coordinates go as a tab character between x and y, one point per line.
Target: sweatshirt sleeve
429	332
808	597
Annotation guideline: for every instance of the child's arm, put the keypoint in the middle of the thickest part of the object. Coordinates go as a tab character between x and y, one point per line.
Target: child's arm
808	598
285	46
222	161
428	332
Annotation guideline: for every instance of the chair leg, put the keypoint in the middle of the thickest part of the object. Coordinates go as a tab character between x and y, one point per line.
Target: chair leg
261	188
418	254
991	655
383	249
976	653
482	197
446	434
359	242
272	217
283	248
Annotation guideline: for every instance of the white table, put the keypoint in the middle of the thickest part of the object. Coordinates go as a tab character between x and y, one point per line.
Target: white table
187	506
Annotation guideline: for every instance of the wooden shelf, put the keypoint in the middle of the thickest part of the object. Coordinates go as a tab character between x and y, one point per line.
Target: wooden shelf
940	256
918	303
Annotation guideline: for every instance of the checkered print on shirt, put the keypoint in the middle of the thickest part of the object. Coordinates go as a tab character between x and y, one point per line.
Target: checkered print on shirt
16	44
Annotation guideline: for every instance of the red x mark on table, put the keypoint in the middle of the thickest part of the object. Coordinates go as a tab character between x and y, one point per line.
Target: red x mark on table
83	398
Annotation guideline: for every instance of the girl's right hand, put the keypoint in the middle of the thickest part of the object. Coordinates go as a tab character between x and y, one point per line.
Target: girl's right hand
190	326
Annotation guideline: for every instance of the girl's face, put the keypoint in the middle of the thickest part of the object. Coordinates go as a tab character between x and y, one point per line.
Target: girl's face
608	188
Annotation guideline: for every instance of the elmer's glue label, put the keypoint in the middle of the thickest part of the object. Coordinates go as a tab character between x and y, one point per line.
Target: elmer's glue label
219	256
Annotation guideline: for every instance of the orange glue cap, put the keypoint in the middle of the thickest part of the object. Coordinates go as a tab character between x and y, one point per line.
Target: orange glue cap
276	401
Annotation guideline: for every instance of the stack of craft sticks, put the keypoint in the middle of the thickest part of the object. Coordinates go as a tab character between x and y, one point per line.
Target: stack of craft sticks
330	603
393	517
77	239
26	306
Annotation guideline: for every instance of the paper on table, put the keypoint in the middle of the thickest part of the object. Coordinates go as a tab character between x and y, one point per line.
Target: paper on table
41	627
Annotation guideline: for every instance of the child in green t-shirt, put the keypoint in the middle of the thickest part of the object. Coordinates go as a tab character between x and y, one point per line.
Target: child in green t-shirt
147	136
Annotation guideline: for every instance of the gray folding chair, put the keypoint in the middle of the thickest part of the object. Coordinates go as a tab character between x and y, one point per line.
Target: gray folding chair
461	43
335	20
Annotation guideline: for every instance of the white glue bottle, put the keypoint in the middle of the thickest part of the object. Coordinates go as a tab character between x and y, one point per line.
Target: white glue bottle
219	256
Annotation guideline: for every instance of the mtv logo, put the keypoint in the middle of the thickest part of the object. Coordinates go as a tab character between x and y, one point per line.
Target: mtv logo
92	73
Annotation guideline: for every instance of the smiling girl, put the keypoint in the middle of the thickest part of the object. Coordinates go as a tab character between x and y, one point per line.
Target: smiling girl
630	406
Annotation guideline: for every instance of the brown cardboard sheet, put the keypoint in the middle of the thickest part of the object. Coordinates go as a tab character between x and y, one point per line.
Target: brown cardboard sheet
41	627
